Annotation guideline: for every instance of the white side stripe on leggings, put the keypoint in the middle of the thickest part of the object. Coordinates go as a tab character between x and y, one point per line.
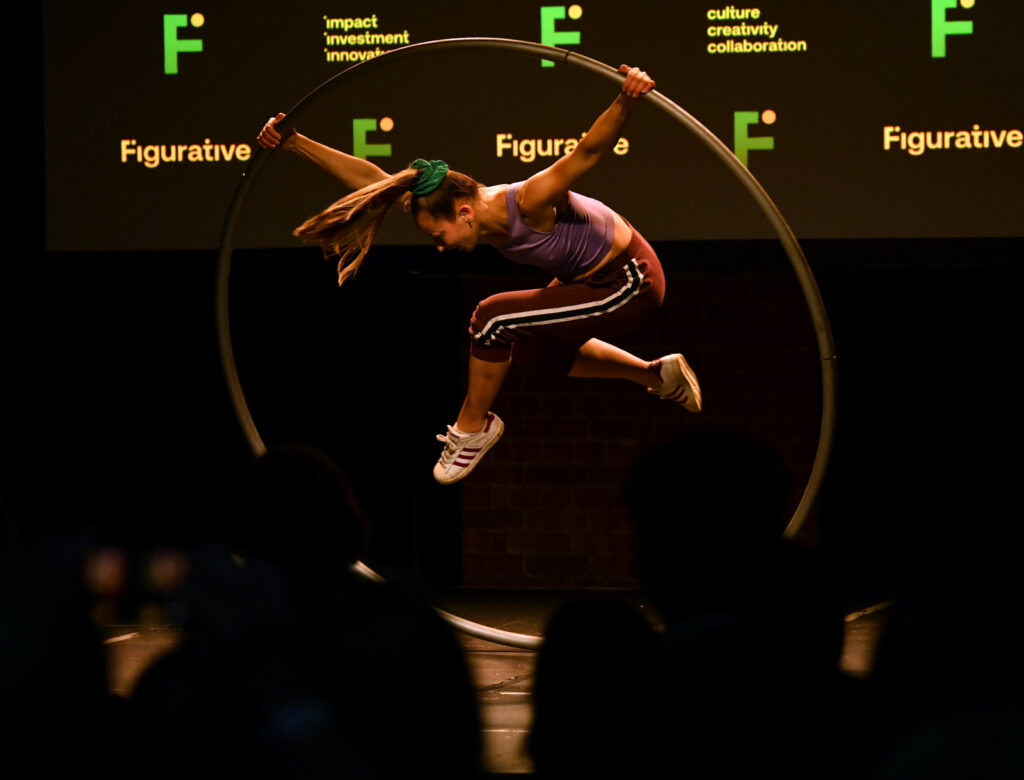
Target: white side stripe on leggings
578	311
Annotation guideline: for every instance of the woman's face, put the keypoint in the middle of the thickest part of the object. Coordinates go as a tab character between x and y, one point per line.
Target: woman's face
446	234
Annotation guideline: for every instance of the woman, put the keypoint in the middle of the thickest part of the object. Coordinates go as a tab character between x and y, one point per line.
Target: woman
607	278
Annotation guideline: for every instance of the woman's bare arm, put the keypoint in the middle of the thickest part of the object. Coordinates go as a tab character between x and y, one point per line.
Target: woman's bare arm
549	187
354	172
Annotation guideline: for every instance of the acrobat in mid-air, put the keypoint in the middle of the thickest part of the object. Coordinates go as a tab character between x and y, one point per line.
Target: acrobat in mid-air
606	278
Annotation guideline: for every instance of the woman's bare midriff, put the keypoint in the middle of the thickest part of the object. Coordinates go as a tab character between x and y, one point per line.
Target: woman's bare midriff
623	235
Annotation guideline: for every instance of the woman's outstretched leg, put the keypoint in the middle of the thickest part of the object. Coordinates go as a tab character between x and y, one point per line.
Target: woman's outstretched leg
600	360
669	377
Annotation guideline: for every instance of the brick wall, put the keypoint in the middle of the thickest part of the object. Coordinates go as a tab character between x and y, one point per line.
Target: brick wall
545	508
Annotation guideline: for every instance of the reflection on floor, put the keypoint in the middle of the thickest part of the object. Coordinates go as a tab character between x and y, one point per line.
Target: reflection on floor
503	675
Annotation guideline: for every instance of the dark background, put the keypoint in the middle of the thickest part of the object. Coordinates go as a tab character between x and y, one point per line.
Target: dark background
116	416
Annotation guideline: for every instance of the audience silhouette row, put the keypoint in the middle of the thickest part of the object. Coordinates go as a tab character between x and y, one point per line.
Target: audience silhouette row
292	664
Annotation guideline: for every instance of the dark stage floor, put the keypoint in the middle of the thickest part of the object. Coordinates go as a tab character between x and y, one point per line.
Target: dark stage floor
503	675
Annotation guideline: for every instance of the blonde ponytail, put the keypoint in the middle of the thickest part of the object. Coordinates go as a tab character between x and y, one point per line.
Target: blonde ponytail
349	226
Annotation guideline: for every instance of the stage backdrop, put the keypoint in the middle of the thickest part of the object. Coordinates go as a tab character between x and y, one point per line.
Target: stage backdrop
861	120
882	131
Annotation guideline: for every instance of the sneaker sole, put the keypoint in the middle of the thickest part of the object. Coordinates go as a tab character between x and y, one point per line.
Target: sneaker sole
446	480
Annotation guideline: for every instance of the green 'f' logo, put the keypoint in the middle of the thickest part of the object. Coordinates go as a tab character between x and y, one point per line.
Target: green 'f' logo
941	27
549	36
361	147
743	142
173	45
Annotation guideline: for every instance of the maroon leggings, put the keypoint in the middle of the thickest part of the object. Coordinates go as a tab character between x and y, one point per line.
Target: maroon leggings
543	329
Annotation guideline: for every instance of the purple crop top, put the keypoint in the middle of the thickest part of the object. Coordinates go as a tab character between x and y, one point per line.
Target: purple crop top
581	238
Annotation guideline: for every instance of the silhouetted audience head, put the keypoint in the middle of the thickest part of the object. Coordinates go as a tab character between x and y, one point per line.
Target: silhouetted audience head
754	622
292	664
367	681
402	683
592	694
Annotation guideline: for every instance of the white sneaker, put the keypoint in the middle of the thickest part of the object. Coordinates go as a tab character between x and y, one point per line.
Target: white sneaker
462	451
678	382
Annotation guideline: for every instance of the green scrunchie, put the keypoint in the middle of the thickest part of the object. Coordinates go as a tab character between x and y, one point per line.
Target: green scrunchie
432	173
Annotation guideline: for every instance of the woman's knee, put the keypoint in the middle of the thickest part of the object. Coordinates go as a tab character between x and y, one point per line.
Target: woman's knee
487	310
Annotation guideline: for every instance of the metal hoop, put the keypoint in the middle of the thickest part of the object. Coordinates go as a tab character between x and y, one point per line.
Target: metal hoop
812	296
